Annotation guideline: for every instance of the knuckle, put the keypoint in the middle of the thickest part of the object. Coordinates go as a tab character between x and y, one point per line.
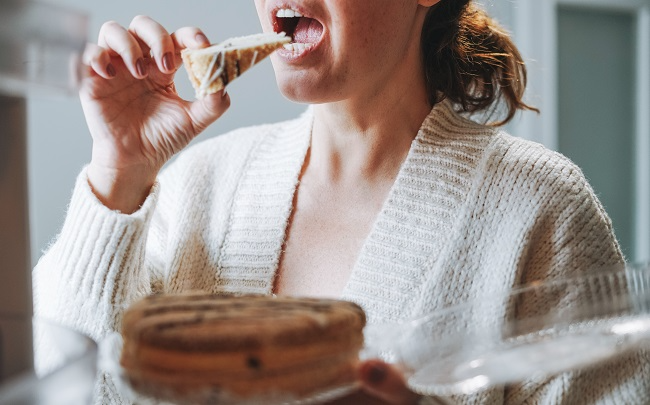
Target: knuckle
139	19
187	31
110	25
126	50
108	29
184	36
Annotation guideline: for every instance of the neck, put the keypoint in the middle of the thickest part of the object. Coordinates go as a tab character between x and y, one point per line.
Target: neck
365	137
368	137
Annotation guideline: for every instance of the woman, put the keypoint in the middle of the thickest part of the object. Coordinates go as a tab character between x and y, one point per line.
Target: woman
381	193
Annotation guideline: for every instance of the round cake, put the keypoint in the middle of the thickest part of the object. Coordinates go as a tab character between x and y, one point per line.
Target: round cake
201	346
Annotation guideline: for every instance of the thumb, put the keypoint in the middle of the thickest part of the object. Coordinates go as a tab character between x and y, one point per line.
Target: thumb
385	382
208	109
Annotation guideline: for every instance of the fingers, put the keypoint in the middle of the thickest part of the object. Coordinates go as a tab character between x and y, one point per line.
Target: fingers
118	41
156	38
145	37
206	110
190	37
99	61
385	382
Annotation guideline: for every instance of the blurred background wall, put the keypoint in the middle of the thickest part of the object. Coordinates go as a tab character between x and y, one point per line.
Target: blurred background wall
589	73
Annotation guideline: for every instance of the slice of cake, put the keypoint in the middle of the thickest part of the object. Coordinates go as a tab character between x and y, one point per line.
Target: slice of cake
211	69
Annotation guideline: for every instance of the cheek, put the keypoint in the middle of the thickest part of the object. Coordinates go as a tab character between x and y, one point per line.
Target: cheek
363	53
372	33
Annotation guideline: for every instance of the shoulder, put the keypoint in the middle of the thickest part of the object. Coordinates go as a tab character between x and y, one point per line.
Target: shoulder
564	225
542	187
501	153
546	184
500	165
530	164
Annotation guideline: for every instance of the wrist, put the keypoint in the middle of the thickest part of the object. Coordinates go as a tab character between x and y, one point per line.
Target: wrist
123	190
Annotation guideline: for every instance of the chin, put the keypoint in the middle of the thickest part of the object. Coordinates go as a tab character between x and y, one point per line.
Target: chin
297	95
306	83
299	91
299	88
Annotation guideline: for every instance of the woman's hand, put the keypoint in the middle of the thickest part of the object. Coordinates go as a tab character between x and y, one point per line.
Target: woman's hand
385	382
381	384
135	116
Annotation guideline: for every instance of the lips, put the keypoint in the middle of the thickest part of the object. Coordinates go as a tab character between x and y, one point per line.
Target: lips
306	32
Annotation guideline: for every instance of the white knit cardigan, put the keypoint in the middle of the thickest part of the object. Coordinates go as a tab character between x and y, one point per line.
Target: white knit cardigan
473	210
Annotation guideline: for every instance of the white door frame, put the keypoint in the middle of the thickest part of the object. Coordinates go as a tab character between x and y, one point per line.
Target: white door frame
534	25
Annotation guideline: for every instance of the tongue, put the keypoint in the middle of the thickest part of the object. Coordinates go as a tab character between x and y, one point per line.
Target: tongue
308	31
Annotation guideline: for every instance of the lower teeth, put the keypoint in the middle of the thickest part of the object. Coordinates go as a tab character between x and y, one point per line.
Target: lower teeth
297	47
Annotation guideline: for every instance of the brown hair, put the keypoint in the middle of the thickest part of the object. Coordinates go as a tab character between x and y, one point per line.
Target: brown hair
471	60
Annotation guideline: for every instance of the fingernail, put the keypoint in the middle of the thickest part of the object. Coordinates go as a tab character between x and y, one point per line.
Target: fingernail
110	69
140	67
376	375
201	39
168	62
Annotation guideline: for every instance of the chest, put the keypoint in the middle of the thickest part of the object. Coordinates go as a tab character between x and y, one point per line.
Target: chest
274	235
324	238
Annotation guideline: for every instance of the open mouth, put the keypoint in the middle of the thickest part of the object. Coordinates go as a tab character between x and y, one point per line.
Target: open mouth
304	31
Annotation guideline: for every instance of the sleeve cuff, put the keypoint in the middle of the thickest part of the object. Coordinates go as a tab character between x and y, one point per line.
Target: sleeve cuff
95	262
85	196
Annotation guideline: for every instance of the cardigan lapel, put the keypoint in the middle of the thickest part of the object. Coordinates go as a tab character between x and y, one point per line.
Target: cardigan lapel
261	209
418	216
412	228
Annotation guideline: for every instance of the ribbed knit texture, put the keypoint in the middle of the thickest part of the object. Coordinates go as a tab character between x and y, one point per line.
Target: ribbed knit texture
473	210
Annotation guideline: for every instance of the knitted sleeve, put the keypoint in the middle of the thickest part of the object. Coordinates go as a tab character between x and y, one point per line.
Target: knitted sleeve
104	260
573	236
96	266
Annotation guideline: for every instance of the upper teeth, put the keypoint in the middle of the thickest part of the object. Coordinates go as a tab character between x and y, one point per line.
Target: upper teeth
287	13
